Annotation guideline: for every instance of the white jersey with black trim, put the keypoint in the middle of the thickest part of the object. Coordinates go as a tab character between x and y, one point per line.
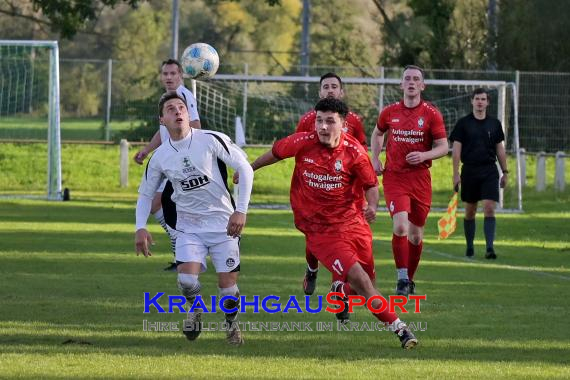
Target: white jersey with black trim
196	167
192	106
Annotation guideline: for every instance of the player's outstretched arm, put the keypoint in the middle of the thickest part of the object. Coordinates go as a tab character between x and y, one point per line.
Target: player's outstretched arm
148	149
265	159
376	143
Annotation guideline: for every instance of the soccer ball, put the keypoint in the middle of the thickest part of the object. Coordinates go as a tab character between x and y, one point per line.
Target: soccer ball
200	61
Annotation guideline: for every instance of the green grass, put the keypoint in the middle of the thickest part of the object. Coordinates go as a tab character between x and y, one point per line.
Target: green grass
71	128
68	273
96	169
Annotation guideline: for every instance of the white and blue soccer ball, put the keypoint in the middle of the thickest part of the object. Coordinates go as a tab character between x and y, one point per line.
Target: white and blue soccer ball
200	61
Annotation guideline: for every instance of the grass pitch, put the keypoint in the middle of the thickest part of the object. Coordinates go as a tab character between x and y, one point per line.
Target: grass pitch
71	301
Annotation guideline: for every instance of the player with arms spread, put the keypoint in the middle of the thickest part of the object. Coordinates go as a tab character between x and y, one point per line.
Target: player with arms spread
417	136
330	87
327	164
207	222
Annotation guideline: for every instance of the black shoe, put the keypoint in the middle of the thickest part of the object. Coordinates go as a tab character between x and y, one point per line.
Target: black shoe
192	326
491	254
407	338
310	282
412	287
343	317
171	267
470	252
403	288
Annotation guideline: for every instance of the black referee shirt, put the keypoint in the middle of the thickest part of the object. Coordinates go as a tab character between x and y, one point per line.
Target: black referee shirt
478	138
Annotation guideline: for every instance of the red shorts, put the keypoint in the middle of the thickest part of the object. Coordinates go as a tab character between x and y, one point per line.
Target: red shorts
338	252
409	192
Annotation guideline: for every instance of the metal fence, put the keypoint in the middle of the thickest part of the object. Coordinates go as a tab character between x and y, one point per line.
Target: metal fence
103	100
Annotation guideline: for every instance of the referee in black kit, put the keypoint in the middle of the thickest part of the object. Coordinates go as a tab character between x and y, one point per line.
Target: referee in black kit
477	141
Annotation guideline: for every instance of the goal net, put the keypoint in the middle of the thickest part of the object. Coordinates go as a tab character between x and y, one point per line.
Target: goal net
270	107
29	112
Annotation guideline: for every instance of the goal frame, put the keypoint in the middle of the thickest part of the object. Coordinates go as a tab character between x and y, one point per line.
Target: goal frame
54	191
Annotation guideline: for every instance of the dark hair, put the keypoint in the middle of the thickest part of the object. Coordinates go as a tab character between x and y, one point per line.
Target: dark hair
166	97
330	75
414	67
171	61
479	91
332	105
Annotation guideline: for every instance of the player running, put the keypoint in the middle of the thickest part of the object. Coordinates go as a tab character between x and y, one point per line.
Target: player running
417	136
330	87
327	164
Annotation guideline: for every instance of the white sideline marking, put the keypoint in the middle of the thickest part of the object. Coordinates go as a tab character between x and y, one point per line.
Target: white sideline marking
506	266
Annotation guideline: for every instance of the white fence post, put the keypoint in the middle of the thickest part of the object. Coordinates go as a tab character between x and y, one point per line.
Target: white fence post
540	171
559	180
124	162
523	166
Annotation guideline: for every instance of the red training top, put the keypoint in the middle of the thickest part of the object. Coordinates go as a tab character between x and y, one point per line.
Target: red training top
322	186
411	130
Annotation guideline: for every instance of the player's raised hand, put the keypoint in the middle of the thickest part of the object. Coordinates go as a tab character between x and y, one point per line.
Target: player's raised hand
236	224
377	165
143	241
415	158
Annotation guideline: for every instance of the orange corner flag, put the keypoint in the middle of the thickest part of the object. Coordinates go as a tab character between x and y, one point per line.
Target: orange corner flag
447	224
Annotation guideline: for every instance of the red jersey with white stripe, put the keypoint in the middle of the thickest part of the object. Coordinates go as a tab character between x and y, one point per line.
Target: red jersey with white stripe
322	186
411	130
352	125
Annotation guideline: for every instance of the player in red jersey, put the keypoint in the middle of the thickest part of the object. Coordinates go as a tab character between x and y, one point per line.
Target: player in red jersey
417	136
330	87
327	164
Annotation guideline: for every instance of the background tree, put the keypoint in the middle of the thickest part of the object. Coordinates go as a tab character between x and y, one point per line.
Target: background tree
533	35
62	16
344	36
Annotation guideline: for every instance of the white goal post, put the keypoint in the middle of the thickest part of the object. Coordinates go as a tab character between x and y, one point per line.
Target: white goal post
54	191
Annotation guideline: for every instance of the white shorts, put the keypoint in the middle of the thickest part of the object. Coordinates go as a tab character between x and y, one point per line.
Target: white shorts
222	249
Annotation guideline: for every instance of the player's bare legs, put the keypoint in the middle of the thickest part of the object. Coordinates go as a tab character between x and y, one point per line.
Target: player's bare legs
227	285
190	287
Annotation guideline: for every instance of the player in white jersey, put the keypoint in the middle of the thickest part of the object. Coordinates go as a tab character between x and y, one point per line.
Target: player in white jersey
171	79
194	161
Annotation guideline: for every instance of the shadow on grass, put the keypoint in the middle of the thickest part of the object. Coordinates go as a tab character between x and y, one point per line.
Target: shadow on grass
316	345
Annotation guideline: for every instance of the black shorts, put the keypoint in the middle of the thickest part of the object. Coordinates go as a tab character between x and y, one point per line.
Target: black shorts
479	182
